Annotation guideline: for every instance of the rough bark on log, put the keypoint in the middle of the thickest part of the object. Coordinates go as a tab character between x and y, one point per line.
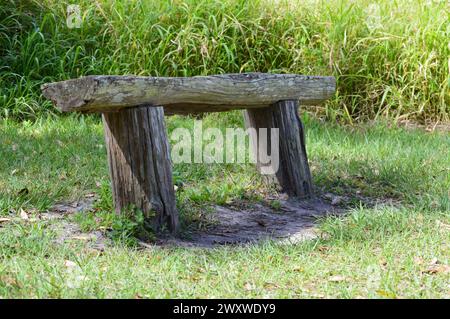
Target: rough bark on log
140	165
187	95
293	174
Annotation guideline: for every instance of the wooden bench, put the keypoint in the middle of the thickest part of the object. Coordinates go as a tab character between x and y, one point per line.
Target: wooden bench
133	111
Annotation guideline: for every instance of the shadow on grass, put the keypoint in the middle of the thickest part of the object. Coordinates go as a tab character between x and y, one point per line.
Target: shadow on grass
65	158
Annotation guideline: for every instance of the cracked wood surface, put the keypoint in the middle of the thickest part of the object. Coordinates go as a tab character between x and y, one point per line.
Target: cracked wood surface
178	95
140	165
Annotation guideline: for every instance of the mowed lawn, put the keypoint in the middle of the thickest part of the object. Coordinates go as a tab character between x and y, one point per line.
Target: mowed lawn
397	248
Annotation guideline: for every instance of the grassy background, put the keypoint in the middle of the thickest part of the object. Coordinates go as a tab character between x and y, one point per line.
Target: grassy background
390	58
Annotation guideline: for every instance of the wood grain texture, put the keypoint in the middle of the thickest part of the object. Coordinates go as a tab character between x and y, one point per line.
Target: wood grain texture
293	174
187	95
140	165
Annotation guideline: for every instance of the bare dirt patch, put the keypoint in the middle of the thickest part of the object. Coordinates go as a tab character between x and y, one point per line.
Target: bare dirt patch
240	223
284	220
70	231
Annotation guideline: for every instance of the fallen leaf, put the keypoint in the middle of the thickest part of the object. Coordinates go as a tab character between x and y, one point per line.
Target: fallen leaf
385	294
271	286
8	281
14	147
323	248
249	286
69	264
437	269
337	278
442	225
49	216
23	214
4	220
82	237
434	261
418	260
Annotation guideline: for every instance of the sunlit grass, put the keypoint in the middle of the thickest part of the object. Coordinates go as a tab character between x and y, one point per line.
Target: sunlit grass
377	252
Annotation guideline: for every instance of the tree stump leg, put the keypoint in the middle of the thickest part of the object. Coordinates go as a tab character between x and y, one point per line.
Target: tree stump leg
140	165
293	174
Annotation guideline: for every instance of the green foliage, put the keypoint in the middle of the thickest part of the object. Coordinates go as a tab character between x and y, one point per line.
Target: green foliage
131	226
125	228
390	58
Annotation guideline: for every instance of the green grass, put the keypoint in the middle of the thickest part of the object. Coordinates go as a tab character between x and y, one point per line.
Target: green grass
376	252
390	58
391	62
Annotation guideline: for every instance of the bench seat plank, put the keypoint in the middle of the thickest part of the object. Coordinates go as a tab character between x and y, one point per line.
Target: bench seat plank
196	94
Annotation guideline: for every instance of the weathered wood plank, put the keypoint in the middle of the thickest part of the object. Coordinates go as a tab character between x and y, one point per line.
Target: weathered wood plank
187	95
139	163
293	174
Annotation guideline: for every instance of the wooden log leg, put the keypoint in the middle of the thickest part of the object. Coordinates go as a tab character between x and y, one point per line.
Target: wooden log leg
140	165
293	174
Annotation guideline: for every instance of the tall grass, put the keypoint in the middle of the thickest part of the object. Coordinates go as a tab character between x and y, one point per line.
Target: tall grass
391	58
